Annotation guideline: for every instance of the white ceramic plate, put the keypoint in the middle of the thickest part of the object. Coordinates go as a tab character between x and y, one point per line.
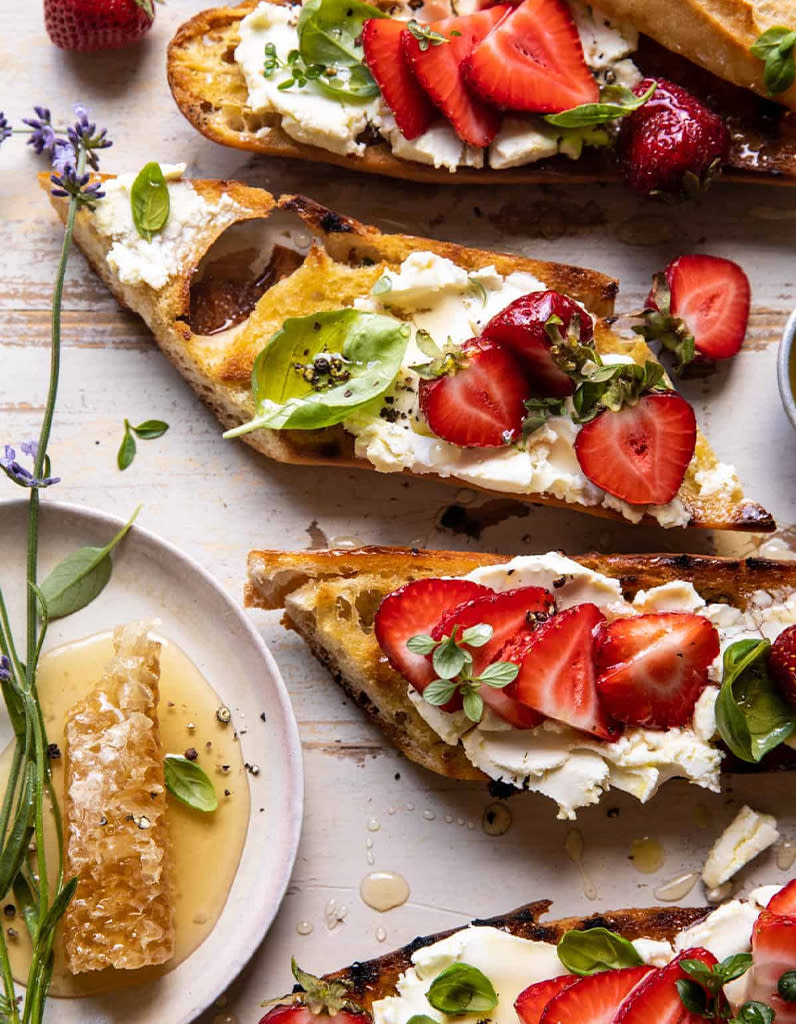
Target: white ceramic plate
152	579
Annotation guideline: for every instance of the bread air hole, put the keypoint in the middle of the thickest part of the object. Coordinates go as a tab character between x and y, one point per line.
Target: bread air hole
241	265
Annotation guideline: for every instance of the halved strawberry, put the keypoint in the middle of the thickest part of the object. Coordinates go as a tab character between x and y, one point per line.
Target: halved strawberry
557	675
438	68
652	668
657	1001
782	664
508	613
531	1002
596	998
521	327
640	454
412	109
479	402
416	608
773	953
298	1014
711	295
533	61
784	902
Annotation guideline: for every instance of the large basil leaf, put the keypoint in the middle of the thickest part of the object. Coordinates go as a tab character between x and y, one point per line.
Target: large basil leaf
615	102
330	34
462	988
752	717
594	950
372	346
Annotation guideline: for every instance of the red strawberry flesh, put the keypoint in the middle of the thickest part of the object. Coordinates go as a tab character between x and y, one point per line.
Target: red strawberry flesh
480	404
782	664
531	1002
657	1001
640	454
556	676
596	999
95	24
298	1014
784	902
533	60
773	953
384	55
654	667
521	327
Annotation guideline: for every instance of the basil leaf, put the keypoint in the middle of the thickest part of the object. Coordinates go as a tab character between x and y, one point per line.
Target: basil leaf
462	988
755	1012
786	986
499	674
594	950
421	1018
149	201
706	976
126	453
733	967
751	716
615	101
692	996
81	576
776	48
330	34
150	429
188	782
439	692
372	346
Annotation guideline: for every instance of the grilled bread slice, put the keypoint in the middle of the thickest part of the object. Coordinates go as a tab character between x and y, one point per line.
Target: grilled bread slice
211	92
330	598
345	261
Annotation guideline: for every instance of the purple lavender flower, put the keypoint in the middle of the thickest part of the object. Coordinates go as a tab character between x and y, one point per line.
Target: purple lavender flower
74	185
5	669
43	137
5	127
83	134
14	471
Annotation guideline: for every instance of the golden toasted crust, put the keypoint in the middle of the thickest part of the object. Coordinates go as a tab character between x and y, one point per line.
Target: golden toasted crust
211	92
375	979
330	598
344	263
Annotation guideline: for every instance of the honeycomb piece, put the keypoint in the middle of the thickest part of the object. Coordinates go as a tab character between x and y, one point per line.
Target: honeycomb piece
116	833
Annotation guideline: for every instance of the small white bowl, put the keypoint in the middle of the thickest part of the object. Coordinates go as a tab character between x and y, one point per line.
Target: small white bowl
785	357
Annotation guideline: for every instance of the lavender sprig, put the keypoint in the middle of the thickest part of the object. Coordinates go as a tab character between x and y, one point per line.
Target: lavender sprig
83	135
71	184
5	127
16	472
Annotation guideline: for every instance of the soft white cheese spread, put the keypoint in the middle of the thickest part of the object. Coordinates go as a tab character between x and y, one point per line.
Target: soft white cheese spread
311	116
747	836
569	766
138	261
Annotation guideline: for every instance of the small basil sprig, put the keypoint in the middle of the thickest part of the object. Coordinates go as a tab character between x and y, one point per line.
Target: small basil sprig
594	950
426	36
147	431
80	577
702	991
786	986
421	1018
330	37
454	668
776	48
318	369
462	988
752	717
615	102
149	201
189	783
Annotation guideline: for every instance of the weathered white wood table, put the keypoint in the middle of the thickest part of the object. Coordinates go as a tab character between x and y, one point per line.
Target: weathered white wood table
366	808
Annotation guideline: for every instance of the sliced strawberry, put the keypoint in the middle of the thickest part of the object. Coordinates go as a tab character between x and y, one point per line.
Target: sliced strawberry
531	1002
298	1014
479	403
416	608
782	664
657	1001
508	613
557	670
712	296
438	68
640	454
773	953
521	327
784	902
654	667
533	61
596	998
412	109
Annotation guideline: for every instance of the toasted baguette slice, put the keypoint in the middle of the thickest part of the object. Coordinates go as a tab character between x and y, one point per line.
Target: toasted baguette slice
330	598
344	263
371	980
211	92
116	835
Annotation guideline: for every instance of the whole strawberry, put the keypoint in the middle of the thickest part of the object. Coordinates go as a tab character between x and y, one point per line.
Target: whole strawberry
672	144
97	24
782	664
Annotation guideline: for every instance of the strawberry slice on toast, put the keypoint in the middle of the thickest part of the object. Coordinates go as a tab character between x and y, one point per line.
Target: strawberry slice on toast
531	1002
784	902
412	109
773	954
533	60
596	998
657	1001
438	68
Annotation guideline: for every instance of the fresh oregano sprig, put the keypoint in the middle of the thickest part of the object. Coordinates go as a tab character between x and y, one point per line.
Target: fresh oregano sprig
702	992
427	37
453	664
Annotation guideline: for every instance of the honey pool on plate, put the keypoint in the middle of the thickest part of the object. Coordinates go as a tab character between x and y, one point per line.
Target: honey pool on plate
207	847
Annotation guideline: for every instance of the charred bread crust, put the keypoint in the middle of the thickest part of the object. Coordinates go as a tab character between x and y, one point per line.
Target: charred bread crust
330	599
345	261
371	980
211	92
